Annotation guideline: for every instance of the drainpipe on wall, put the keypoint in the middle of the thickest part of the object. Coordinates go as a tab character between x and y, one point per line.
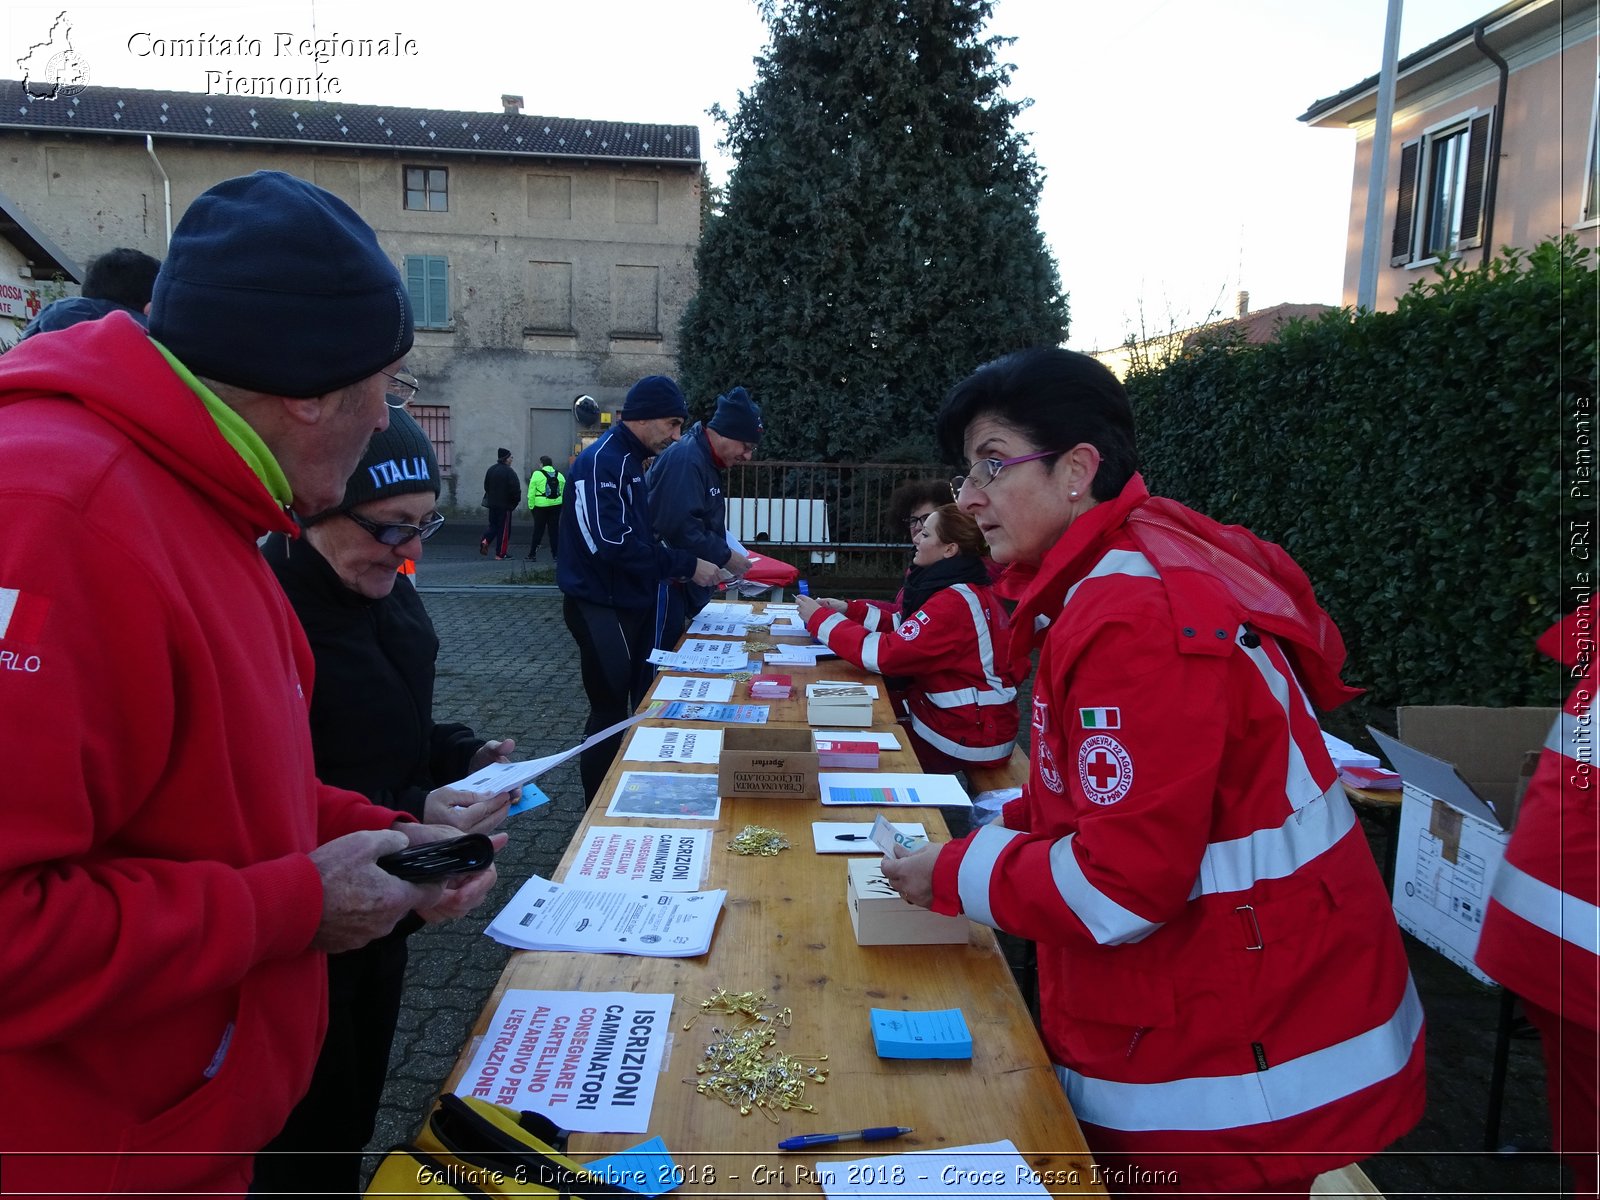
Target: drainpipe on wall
1492	176
166	187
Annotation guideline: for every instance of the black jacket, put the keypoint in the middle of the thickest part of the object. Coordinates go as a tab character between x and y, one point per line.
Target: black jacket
501	487
690	510
372	727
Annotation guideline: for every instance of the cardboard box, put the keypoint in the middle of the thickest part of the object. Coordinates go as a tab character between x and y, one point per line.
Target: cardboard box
881	918
1463	772
760	761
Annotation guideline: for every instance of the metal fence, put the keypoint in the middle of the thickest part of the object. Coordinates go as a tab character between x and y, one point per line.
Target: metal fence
828	516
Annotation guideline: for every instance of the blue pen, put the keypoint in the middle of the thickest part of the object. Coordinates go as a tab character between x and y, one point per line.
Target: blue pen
806	1140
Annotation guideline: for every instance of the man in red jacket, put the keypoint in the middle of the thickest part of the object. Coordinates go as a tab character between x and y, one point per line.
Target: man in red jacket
172	872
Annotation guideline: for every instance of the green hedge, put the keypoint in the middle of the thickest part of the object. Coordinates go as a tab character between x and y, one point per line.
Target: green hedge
1418	464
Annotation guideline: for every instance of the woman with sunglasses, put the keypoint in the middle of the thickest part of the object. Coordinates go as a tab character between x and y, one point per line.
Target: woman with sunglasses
1222	985
943	648
372	731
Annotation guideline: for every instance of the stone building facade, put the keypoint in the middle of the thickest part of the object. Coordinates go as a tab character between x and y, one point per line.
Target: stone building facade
546	258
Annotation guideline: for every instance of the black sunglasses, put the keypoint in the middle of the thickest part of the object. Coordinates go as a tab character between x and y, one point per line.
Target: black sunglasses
396	533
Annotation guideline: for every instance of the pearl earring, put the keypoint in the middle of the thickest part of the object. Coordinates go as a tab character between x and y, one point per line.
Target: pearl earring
1072	495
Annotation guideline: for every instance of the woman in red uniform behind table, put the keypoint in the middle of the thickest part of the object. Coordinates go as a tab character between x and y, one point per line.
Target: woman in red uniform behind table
942	652
1222	985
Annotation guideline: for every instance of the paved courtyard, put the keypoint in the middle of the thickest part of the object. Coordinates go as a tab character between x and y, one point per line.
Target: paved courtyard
507	667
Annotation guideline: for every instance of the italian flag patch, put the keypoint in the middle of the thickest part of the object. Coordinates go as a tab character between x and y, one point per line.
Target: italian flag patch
21	615
1100	718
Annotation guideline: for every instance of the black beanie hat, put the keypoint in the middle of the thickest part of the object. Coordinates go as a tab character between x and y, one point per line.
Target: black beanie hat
274	285
738	417
398	461
654	396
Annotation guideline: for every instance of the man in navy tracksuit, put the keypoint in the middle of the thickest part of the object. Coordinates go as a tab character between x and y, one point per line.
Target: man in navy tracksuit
610	563
691	511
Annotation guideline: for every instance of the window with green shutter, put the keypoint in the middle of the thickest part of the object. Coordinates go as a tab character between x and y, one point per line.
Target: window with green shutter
428	283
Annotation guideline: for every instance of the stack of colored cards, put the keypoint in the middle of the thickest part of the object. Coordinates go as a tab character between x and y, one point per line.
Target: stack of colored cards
770	687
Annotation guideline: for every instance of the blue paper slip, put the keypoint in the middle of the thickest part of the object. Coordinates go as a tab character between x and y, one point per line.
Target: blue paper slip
531	797
646	1168
726	714
941	1033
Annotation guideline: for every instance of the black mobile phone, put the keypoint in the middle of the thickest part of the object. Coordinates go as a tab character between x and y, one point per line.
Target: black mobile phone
437	860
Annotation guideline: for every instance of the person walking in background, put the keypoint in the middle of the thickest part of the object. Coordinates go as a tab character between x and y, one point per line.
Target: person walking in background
120	280
943	654
173	873
502	492
688	501
372	731
1223	987
1541	931
611	562
547	488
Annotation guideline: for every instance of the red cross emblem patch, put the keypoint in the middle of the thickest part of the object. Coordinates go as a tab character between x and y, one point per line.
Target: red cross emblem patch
909	629
1105	769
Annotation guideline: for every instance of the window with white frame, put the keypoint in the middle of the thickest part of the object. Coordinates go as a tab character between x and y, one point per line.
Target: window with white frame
427	189
1441	193
428	284
1591	177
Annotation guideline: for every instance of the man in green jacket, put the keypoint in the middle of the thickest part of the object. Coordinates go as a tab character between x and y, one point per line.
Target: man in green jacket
546	489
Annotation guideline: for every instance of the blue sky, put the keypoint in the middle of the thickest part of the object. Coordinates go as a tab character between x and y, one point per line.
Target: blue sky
1177	173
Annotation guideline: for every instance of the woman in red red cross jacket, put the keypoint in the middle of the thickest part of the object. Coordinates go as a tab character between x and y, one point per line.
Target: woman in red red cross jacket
941	654
1222	986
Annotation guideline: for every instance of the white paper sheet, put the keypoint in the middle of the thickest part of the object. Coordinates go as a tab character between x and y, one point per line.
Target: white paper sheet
504	777
991	1169
854	837
788	654
701	655
654	743
560	1054
668	860
687	687
887	787
652	922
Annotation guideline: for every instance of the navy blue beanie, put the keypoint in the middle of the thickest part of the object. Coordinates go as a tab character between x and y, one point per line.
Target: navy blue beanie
738	417
274	285
654	396
398	461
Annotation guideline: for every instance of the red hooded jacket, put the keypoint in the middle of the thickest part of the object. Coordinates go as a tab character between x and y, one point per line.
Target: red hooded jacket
155	890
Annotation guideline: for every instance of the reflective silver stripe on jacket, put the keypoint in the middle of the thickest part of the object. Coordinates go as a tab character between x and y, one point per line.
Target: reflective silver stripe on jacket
1556	912
956	749
869	646
977	866
1241	863
961	697
1572	736
980	625
1115	562
1285	1089
873	617
1107	921
1300	785
580	495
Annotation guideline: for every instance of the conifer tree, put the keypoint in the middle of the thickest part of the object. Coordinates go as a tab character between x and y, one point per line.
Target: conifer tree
879	237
